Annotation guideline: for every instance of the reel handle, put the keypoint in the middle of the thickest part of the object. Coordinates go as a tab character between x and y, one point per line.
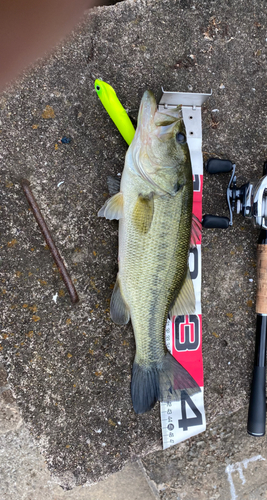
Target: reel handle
218	166
214	221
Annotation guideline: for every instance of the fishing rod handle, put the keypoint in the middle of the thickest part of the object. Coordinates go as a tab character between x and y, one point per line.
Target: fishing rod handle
261	297
257	405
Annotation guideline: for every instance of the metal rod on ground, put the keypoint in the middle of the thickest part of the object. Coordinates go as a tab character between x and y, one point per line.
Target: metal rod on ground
48	238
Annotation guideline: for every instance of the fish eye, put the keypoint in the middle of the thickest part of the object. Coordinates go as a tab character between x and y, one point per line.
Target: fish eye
98	88
180	138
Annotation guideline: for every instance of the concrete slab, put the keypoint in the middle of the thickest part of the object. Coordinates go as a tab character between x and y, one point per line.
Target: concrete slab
24	473
224	463
128	484
69	367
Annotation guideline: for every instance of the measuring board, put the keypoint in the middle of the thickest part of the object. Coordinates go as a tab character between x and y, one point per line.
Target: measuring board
183	419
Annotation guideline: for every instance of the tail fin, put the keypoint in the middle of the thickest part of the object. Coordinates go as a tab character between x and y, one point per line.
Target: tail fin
161	382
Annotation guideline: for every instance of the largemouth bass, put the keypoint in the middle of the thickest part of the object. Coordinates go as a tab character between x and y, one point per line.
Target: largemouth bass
154	208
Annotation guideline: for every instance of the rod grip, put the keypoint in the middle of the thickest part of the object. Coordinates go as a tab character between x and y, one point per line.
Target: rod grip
257	404
261	298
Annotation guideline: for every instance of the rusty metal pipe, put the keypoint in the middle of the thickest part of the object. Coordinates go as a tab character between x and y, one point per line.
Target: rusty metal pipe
48	238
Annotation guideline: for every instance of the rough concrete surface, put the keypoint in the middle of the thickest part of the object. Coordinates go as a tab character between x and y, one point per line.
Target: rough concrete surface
24	474
222	463
68	366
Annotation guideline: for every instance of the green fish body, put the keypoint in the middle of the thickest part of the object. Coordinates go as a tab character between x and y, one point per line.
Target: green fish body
154	209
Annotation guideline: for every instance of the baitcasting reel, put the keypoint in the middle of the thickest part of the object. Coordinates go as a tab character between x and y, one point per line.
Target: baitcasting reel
250	199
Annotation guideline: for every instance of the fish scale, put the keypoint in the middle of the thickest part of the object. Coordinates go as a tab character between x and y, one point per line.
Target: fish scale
151	266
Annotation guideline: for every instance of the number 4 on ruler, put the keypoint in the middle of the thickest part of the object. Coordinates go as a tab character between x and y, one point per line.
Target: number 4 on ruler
185	422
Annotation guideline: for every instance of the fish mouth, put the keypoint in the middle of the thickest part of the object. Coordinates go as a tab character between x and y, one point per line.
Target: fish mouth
147	110
151	119
142	143
152	126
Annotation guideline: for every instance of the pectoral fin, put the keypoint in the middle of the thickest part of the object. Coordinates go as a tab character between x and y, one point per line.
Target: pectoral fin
185	302
143	213
113	208
119	311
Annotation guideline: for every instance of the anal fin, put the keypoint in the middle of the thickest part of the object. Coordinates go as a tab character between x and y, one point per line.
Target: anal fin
119	311
185	301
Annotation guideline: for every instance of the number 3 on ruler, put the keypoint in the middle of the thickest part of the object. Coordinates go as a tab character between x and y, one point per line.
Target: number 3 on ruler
185	422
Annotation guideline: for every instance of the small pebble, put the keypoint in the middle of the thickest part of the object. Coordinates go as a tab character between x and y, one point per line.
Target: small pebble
65	140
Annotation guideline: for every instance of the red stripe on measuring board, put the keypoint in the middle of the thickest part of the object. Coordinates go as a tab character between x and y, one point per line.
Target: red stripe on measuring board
197	197
183	419
187	344
187	330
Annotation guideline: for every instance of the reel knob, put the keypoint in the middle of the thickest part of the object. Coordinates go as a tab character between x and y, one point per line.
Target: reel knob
218	166
210	221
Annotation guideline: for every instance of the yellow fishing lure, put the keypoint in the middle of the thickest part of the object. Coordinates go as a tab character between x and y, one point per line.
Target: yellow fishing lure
116	111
